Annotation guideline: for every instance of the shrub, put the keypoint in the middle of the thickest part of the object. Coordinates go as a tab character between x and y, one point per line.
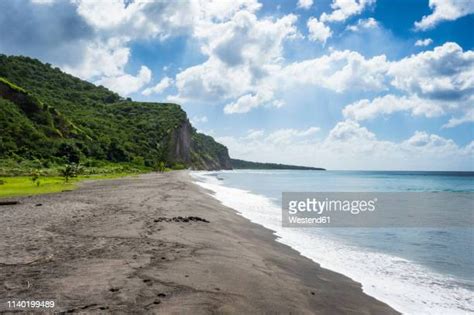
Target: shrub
69	171
35	176
160	167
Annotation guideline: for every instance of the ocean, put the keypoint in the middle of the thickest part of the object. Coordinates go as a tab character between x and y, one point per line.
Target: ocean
422	270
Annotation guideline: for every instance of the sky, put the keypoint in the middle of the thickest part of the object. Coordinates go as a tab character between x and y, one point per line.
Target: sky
340	84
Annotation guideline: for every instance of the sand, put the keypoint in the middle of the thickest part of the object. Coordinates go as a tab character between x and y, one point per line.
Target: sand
158	243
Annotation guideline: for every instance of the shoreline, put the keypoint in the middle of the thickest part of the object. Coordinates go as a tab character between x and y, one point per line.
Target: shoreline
143	245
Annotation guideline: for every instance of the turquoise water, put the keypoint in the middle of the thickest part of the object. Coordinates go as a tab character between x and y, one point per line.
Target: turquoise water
432	253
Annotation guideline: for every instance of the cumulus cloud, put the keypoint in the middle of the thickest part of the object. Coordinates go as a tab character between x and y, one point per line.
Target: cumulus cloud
305	4
248	101
437	82
468	117
241	51
363	24
126	84
424	42
444	73
343	9
338	71
354	144
161	86
104	63
318	31
157	19
433	80
445	10
101	58
121	22
431	143
368	109
349	136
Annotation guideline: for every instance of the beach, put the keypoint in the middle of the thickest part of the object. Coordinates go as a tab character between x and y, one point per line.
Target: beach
158	243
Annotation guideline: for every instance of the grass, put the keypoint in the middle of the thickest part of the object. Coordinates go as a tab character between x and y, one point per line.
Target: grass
24	186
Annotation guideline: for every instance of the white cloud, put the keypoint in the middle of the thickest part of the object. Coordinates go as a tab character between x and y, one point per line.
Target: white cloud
349	137
43	2
305	4
248	101
116	23
363	24
424	42
318	31
199	119
165	83
288	136
445	10
368	109
468	117
343	9
158	19
242	51
212	81
437	82
430	143
105	14
254	134
338	71
351	146
101	58
447	72
126	84
431	79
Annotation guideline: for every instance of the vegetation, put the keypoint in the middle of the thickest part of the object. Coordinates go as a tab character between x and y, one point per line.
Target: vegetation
35	177
70	170
241	164
23	185
49	119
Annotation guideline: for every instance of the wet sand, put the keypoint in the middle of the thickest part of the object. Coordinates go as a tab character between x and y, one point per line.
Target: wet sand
158	243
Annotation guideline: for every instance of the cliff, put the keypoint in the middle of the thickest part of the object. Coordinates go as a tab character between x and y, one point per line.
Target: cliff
197	150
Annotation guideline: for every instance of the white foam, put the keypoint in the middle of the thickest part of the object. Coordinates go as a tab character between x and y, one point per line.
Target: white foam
406	286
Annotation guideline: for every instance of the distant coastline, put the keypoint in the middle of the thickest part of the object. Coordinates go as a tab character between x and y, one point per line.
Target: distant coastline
241	164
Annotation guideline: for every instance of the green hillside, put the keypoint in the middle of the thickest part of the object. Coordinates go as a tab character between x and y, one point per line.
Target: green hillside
52	117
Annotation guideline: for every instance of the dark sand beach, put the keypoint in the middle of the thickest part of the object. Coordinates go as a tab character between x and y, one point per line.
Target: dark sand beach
158	243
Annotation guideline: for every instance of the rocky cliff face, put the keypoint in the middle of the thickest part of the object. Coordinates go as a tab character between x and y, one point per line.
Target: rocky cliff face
196	150
181	143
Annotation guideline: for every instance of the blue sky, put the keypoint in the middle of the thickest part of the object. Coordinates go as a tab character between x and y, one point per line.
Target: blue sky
343	84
